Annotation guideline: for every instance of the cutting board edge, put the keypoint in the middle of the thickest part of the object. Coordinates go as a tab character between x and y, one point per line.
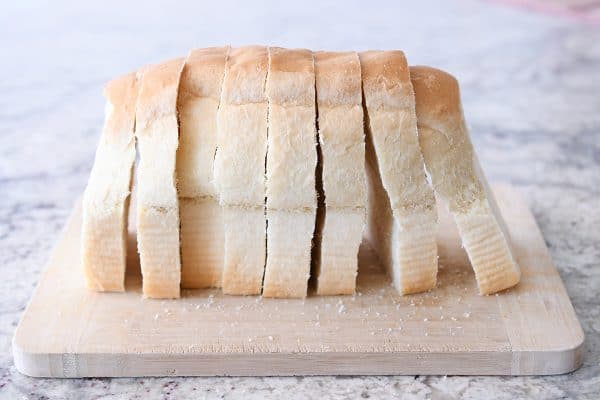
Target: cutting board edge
484	363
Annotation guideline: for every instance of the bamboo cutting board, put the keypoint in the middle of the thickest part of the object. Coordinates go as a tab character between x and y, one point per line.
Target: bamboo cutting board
68	331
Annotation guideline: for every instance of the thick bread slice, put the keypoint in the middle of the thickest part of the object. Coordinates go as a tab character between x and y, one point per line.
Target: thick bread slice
402	213
458	179
202	236
291	163
342	145
157	203
106	197
239	169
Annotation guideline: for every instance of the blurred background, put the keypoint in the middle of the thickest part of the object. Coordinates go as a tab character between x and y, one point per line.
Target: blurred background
530	79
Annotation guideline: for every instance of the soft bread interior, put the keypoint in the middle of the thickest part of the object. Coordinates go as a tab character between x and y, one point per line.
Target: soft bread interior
239	169
402	223
202	235
342	148
157	134
291	162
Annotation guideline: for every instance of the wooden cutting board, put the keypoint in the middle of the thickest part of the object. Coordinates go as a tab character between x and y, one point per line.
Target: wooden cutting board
68	331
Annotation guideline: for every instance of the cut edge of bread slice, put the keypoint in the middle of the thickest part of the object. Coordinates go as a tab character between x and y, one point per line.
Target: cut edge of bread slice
107	195
202	236
239	168
157	134
402	213
341	148
291	162
458	179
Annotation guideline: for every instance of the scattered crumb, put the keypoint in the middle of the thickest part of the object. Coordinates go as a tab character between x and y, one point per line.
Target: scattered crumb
425	319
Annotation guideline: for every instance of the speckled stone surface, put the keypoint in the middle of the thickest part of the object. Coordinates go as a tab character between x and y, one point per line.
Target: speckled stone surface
531	88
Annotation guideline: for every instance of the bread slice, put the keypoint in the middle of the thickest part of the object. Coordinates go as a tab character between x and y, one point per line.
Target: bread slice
157	204
239	169
291	163
342	146
106	197
459	181
202	236
402	213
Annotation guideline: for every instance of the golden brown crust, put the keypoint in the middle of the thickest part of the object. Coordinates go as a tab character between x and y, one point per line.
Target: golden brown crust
291	77
246	75
121	93
337	78
197	77
439	97
158	94
386	80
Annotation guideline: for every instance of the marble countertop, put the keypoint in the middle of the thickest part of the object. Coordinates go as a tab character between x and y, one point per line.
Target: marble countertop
531	89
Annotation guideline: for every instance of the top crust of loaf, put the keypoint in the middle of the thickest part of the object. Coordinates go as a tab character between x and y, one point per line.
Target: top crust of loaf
121	95
198	75
158	94
386	79
338	78
291	77
439	110
439	104
109	179
246	76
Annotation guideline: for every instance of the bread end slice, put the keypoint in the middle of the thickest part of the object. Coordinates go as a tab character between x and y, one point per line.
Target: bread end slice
459	181
106	197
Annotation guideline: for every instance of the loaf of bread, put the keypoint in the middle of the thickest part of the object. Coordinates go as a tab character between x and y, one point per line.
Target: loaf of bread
402	214
459	181
157	134
342	146
291	165
260	168
239	169
202	235
106	197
